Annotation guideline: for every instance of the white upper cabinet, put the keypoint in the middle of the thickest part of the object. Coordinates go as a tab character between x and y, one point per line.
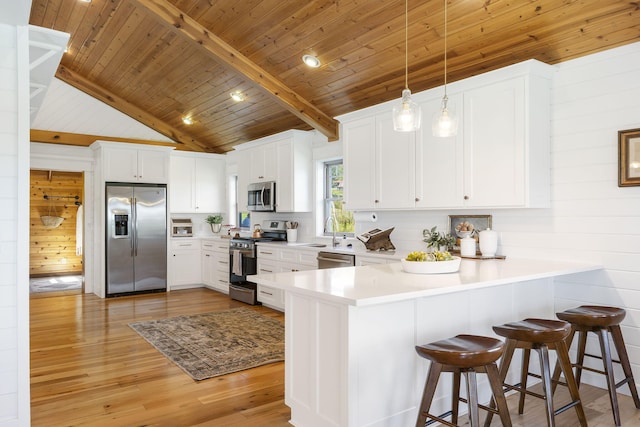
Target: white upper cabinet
263	163
379	164
359	163
285	158
499	158
439	182
293	178
122	162
197	183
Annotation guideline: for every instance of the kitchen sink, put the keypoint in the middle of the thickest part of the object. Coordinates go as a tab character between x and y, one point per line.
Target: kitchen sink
315	245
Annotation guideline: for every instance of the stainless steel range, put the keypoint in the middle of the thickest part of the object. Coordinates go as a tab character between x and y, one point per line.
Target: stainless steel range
243	260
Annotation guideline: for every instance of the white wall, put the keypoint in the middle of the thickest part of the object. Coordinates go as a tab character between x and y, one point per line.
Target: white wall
14	230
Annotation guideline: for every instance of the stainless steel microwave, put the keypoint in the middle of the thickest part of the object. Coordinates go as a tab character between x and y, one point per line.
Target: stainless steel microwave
262	197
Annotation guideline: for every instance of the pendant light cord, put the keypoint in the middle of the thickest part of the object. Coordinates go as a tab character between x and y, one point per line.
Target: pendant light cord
445	48
406	44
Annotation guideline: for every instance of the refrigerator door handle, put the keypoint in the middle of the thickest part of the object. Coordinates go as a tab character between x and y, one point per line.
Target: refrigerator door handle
134	211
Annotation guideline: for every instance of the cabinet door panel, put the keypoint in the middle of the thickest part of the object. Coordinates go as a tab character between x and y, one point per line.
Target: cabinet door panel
359	163
210	185
182	189
439	172
153	166
395	153
494	131
121	164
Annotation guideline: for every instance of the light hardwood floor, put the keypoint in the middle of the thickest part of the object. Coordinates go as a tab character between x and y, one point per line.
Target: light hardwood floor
88	368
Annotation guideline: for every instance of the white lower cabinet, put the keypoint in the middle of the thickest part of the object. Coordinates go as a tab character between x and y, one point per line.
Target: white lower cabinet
185	265
372	260
272	259
215	264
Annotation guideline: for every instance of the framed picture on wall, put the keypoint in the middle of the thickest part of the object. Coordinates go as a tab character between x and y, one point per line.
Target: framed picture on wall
628	158
462	225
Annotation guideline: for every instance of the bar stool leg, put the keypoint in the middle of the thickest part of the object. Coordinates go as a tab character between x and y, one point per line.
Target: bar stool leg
563	358
618	341
472	398
524	376
582	346
556	372
543	352
429	390
455	397
603	336
496	388
505	362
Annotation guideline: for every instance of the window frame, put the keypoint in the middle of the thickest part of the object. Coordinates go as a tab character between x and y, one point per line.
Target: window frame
328	200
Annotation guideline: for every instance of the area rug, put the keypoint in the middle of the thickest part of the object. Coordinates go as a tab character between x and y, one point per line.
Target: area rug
56	283
218	343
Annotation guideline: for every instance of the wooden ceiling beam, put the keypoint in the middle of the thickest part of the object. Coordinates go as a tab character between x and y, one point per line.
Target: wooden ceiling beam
120	104
84	140
227	55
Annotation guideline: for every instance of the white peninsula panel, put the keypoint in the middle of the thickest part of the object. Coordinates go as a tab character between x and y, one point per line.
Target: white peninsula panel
351	332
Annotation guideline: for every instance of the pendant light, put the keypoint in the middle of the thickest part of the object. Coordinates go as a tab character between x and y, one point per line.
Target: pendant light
445	123
406	115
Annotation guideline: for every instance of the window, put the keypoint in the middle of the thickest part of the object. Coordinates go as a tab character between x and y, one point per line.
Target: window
333	199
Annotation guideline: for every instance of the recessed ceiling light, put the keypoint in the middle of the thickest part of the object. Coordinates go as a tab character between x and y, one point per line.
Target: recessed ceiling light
237	96
187	120
311	61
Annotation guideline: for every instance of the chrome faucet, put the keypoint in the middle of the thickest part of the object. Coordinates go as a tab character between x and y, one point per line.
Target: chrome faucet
334	225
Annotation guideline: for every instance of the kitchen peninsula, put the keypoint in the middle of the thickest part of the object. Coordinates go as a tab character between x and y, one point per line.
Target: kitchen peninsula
351	332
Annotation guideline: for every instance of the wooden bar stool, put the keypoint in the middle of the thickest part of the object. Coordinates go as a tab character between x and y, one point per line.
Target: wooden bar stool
540	335
468	355
602	321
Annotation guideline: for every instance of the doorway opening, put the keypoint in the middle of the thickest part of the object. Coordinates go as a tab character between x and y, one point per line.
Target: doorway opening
56	232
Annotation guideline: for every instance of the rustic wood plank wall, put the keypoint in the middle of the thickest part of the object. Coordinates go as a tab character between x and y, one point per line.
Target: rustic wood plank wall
52	251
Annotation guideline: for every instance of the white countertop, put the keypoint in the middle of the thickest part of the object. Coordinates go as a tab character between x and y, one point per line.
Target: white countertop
384	283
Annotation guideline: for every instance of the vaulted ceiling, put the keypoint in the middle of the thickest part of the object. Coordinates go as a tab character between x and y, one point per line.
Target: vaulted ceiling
160	60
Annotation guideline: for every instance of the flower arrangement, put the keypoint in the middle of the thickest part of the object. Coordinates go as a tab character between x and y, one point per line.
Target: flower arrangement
436	240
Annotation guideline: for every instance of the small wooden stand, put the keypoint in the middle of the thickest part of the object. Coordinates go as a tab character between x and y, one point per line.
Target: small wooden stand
377	240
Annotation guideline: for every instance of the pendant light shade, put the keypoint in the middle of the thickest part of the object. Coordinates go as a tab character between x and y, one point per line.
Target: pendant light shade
445	122
407	114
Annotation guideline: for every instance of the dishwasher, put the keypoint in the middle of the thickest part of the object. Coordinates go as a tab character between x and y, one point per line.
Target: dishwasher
334	260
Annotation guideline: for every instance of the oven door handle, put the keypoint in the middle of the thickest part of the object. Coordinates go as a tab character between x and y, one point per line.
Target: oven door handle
240	289
244	253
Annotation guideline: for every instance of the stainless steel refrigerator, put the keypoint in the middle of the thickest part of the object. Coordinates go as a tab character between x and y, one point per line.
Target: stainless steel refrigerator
136	238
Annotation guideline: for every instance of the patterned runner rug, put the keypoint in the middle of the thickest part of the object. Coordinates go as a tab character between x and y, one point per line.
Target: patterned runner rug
218	343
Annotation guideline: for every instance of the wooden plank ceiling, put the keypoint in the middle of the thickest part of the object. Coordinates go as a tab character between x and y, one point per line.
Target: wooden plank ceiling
158	60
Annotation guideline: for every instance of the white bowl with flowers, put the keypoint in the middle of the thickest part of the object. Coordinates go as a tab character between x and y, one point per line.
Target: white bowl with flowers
430	263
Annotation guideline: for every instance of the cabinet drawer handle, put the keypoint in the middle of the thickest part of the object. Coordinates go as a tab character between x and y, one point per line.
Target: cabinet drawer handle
266	271
266	253
376	201
223	262
266	293
186	246
207	255
466	197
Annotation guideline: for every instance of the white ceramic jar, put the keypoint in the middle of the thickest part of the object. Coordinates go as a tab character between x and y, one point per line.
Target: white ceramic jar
468	246
488	242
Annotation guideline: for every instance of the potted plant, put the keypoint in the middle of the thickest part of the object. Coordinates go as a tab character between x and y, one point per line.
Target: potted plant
215	221
437	241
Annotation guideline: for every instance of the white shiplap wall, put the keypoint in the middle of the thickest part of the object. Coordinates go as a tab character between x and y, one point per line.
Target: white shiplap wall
14	232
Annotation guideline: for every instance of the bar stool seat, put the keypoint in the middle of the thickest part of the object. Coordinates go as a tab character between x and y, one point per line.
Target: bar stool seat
468	355
602	321
540	335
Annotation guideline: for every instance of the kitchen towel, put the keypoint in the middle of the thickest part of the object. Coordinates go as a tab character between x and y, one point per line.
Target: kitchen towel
79	217
236	268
